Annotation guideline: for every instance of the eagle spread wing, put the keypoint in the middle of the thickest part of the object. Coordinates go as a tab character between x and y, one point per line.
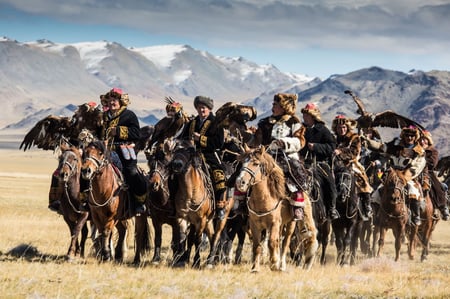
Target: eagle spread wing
387	118
391	119
48	132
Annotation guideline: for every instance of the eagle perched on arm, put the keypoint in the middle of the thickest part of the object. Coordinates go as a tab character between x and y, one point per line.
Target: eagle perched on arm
169	126
234	117
386	118
49	132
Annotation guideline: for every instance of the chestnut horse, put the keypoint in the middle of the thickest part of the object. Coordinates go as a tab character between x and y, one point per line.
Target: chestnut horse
393	212
194	204
69	169
270	212
106	199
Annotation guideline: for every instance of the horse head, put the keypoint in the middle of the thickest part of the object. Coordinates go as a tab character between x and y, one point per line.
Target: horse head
394	189
94	159
69	163
183	154
158	174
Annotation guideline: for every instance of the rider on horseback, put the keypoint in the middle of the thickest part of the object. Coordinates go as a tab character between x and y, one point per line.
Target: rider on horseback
406	153
122	130
437	193
283	133
209	139
348	151
317	153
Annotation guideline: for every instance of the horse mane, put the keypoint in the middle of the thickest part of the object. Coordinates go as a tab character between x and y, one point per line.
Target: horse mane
276	179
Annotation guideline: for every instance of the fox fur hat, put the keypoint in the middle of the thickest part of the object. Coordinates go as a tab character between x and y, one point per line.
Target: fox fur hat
410	130
427	135
287	101
314	111
342	120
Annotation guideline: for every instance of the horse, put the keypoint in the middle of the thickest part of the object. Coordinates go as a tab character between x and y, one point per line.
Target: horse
393	212
346	227
161	210
270	212
422	233
69	168
194	204
106	199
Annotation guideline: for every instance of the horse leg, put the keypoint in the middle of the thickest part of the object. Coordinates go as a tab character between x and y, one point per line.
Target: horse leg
339	242
73	240
240	246
397	231
219	226
274	246
324	237
158	241
142	240
179	259
106	246
256	249
84	236
412	241
194	238
382	234
354	236
289	230
121	246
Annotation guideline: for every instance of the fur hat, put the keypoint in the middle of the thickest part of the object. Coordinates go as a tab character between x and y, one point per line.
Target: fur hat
411	130
314	111
117	93
208	102
287	101
342	120
427	135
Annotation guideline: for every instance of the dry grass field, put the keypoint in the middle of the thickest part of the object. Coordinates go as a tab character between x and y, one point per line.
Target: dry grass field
43	273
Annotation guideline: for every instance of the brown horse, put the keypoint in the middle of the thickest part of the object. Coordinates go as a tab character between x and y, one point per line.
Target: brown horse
194	204
69	169
269	211
422	233
393	212
106	199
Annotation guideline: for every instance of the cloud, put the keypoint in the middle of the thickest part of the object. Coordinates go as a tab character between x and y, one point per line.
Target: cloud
401	26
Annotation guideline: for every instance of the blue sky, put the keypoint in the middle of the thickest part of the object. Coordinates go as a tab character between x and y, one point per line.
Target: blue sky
329	37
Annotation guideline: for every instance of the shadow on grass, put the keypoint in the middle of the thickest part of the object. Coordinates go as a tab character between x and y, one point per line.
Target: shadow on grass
30	253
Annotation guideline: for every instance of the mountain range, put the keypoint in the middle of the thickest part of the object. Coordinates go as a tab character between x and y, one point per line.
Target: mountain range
41	78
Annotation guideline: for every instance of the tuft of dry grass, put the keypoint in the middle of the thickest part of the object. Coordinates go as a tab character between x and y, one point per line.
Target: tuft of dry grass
34	241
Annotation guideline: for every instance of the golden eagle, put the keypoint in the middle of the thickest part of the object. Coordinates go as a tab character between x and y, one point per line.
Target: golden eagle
49	132
386	118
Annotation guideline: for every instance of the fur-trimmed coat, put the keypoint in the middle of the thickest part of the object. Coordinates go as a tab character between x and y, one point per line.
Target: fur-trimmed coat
349	146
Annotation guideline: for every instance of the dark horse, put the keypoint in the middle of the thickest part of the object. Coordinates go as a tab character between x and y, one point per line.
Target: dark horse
69	168
346	227
106	199
162	211
393	212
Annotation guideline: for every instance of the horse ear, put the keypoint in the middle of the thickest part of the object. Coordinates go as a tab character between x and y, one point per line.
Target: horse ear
263	149
246	148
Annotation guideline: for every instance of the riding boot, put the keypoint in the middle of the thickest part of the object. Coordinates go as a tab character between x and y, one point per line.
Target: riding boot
220	204
367	207
54	194
415	211
333	213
